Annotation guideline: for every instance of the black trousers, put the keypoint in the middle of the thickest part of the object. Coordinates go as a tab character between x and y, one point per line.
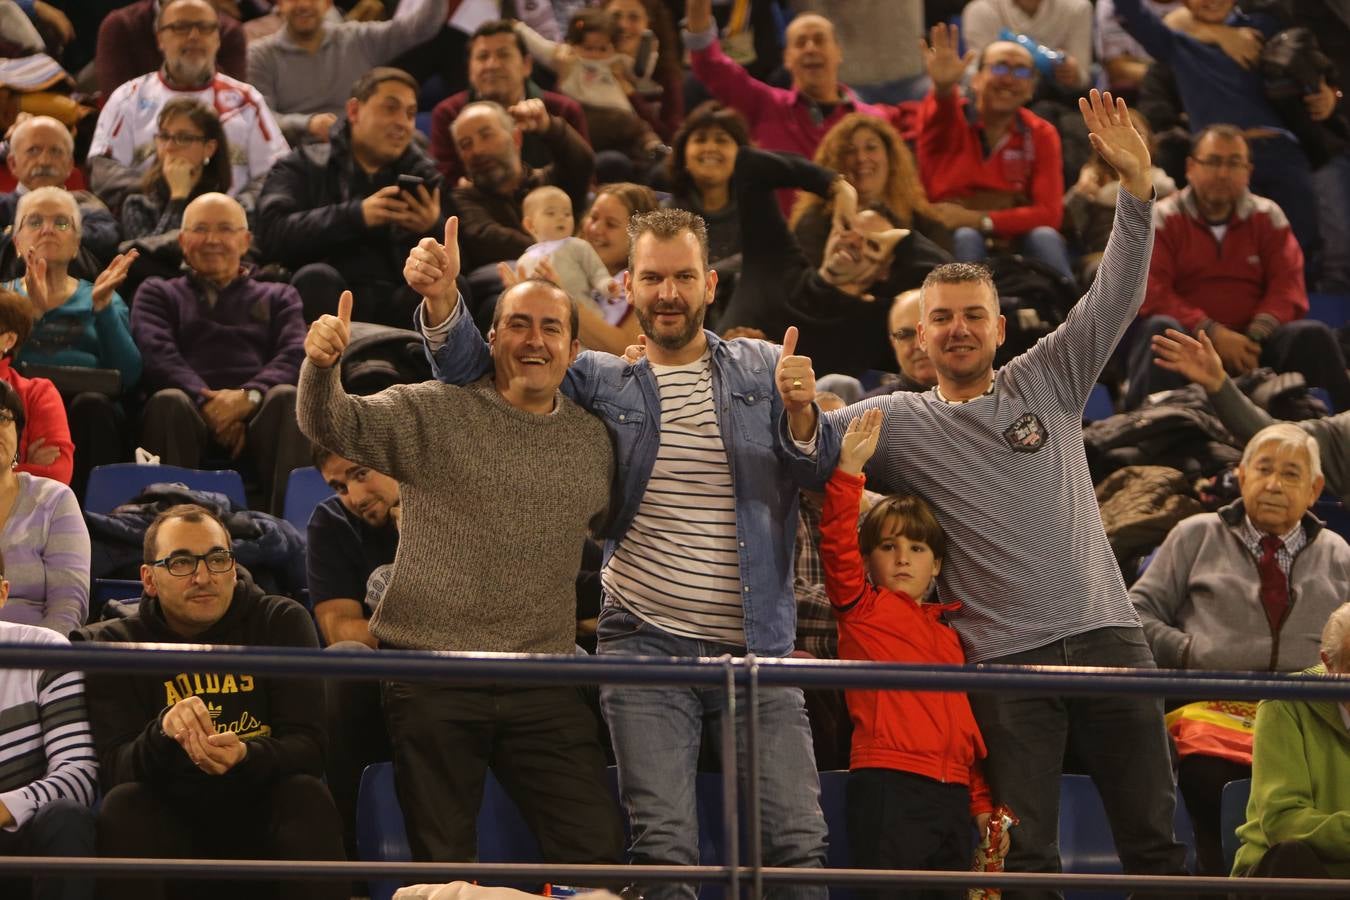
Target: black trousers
98	428
173	428
1289	859
1201	780
291	818
542	745
899	820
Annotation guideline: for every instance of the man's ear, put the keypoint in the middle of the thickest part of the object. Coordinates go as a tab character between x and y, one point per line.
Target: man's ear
628	285
148	581
1002	329
710	287
353	105
576	348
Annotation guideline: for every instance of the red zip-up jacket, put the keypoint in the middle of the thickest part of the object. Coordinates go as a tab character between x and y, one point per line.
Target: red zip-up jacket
1028	160
928	733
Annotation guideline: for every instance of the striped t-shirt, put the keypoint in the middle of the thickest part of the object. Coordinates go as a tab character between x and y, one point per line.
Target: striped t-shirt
1007	472
678	566
46	751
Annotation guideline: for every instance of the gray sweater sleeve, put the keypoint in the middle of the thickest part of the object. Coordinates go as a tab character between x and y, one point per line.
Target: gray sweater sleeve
1160	593
1244	418
392	432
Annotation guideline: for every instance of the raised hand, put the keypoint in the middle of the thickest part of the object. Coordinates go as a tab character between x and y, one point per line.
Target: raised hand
945	64
1113	135
1192	358
845	203
796	382
110	278
329	335
860	442
530	115
698	15
431	270
35	279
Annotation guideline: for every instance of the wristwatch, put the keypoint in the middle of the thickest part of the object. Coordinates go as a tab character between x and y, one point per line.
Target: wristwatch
986	225
254	396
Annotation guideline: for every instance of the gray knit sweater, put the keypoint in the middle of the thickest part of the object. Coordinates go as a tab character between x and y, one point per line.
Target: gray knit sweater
496	504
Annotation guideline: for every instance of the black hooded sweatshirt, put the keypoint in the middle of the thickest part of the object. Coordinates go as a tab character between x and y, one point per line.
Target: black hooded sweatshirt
280	719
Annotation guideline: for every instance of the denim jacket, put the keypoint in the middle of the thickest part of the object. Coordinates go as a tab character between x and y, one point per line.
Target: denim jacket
765	477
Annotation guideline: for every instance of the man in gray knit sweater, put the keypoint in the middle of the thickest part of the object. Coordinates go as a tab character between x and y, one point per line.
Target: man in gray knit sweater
511	447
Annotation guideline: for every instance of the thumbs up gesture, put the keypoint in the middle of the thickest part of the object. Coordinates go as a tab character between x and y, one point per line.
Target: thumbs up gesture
431	270
795	378
329	335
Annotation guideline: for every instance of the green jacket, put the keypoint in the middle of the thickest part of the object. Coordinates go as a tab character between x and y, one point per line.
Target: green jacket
1300	783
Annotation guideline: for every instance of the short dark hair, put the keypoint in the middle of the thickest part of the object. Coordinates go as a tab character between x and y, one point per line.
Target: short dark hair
591	20
666	225
10	400
217	174
960	273
493	27
188	512
16	315
1219	130
709	114
366	86
915	520
319	456
573	313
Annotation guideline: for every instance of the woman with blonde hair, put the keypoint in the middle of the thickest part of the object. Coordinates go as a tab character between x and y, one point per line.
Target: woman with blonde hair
872	157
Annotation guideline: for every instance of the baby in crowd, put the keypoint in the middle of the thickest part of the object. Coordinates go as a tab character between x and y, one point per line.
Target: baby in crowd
915	780
568	261
593	72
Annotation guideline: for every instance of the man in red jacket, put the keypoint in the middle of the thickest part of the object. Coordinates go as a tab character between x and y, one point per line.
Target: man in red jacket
1225	262
993	169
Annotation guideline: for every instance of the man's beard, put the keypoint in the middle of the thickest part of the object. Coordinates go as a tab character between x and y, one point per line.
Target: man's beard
491	177
679	339
186	73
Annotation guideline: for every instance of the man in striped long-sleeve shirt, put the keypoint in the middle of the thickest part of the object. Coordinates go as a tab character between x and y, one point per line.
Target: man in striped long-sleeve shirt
48	770
1000	456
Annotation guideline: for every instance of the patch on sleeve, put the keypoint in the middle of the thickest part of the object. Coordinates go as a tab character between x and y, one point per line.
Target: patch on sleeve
1026	435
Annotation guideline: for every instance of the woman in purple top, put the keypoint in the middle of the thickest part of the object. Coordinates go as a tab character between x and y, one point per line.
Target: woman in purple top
42	536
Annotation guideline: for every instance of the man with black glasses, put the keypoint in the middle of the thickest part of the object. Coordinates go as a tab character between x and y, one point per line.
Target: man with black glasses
188	33
209	764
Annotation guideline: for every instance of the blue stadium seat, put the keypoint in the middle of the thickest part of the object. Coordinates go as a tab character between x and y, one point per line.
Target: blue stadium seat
113	485
1085	843
1099	405
305	489
105	589
1334	309
1334	513
1232	815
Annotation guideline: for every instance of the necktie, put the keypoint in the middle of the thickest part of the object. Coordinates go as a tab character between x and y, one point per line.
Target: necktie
1274	585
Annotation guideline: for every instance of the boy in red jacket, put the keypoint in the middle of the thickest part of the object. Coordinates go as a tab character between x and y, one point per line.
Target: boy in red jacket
916	781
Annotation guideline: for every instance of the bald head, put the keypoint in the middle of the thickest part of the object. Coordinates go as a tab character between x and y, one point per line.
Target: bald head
904	333
214	237
812	56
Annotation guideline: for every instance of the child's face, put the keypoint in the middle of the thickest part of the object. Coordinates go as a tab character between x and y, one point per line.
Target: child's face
550	219
902	564
595	45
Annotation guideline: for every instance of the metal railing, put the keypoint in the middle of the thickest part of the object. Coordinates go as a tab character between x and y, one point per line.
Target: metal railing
743	676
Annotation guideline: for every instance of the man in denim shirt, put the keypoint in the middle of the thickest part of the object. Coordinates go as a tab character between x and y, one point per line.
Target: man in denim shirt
699	554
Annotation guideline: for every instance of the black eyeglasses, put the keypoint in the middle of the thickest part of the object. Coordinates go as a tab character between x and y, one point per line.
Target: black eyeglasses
183	564
182	29
904	334
179	138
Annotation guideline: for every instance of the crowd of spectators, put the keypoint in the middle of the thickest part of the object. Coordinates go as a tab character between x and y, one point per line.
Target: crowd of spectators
634	237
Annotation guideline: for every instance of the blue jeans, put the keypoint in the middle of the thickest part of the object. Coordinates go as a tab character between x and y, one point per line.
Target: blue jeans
656	731
1043	243
1333	218
59	828
1120	740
